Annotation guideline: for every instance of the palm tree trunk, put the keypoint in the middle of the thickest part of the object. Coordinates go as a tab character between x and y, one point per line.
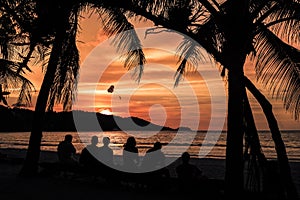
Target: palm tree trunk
251	128
284	167
30	167
234	145
257	159
234	55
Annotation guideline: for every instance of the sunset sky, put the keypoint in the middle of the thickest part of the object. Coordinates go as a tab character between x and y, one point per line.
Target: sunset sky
154	98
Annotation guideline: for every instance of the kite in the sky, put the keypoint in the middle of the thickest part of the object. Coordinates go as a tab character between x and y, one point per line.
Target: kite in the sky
111	90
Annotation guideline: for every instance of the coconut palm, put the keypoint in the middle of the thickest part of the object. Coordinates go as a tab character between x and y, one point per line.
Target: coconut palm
46	34
231	31
13	43
261	31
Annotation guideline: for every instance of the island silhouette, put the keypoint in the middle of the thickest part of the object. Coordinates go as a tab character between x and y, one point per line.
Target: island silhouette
20	120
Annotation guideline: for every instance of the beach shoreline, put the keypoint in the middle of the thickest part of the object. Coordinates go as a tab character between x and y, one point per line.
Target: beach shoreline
9	169
211	167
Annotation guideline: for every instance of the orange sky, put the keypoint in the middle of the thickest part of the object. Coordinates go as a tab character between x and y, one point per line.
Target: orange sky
154	98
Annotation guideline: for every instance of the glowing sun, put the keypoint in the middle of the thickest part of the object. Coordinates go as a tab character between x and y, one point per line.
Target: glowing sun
106	112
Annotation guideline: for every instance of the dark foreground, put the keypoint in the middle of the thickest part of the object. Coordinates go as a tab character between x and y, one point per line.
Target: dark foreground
76	187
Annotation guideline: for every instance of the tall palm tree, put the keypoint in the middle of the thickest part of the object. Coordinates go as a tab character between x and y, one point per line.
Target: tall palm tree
59	84
231	31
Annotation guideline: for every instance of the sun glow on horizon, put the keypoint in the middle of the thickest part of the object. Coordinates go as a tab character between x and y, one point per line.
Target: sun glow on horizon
106	112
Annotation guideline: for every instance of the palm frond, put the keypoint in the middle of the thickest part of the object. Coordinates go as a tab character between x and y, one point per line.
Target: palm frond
278	68
190	56
25	92
14	81
64	87
126	39
211	38
156	7
285	21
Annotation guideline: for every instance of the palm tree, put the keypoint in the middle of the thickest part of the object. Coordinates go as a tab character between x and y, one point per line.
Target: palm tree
59	84
231	31
13	43
257	28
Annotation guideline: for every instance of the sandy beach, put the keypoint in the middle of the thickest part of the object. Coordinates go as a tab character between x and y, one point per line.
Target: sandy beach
14	187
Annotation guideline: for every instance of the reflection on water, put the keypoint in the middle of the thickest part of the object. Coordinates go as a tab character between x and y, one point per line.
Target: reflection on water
173	143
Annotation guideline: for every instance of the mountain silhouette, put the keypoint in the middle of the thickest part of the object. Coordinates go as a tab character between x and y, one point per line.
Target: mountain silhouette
20	120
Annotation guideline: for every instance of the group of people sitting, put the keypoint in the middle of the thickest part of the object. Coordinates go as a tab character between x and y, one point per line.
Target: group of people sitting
99	160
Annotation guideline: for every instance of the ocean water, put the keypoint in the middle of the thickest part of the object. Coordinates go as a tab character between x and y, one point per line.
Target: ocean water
198	144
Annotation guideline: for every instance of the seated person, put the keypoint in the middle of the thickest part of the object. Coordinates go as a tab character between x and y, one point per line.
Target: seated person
188	174
89	157
105	152
106	155
154	161
130	155
66	151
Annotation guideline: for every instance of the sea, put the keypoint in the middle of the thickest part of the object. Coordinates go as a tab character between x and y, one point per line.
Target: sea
200	144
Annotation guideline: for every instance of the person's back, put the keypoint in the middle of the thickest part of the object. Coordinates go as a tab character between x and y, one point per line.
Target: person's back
188	174
106	153
66	150
89	155
156	173
154	157
130	155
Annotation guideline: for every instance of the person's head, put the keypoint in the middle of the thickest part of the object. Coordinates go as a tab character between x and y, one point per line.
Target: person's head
185	157
94	140
68	138
106	141
157	145
130	142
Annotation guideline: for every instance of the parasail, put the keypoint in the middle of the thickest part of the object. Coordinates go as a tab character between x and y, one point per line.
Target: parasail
111	89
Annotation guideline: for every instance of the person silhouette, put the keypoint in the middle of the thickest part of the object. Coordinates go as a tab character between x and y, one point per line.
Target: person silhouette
66	156
154	165
66	151
107	165
89	157
189	175
130	155
154	160
105	152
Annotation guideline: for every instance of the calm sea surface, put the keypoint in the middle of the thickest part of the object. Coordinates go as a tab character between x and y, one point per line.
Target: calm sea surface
200	144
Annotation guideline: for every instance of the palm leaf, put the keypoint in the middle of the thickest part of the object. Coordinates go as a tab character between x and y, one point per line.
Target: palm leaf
64	87
14	81
285	21
190	56
126	40
278	68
